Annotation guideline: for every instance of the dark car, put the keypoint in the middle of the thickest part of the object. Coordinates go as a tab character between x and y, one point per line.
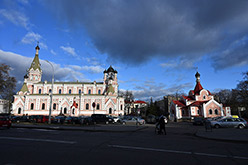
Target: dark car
102	118
18	119
5	121
40	119
86	120
198	121
72	120
59	120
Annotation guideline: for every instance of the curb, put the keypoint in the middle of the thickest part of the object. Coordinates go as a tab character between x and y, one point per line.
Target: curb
79	129
219	139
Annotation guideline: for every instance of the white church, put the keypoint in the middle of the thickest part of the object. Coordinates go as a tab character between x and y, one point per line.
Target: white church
68	98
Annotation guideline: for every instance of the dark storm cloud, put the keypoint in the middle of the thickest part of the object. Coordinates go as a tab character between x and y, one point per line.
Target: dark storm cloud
136	30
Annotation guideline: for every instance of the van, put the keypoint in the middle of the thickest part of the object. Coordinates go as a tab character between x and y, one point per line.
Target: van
101	118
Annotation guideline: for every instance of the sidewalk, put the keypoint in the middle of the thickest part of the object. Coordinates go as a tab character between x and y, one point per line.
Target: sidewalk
91	128
225	134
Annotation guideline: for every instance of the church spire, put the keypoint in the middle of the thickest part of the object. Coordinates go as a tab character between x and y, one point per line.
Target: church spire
36	62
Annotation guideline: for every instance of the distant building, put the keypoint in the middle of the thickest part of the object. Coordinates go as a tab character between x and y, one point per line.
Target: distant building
199	103
4	106
137	107
164	104
69	98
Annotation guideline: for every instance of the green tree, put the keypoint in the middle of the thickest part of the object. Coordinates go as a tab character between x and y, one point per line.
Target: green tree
7	83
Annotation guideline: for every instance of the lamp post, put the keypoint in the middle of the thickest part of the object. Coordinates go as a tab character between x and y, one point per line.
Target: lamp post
51	94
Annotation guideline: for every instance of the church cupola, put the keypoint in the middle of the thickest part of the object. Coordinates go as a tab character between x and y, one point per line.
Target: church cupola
198	86
35	72
197	76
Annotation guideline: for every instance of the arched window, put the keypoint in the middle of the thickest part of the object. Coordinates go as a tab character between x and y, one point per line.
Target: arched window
98	106
73	111
50	90
216	111
121	106
89	92
39	91
59	91
204	97
19	110
79	91
32	106
198	112
110	110
54	106
210	111
69	91
87	106
65	110
43	106
99	91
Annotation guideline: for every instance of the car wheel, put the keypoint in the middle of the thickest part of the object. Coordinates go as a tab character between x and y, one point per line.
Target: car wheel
107	122
124	123
217	126
240	126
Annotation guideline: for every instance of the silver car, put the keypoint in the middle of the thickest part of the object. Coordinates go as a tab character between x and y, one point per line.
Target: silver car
133	121
229	122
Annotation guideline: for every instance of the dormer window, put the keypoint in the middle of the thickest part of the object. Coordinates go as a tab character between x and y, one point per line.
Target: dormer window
204	97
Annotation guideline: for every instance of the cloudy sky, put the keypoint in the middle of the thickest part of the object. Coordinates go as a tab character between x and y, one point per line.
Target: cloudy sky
155	45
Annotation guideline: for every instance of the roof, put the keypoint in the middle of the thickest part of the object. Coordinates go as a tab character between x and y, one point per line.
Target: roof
140	102
35	63
188	98
198	88
24	88
198	103
179	103
110	69
70	82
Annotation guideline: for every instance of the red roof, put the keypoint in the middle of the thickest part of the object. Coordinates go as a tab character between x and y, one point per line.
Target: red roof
198	88
188	98
198	103
140	102
179	103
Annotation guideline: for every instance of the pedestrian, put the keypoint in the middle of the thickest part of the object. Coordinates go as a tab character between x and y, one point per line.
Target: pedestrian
162	125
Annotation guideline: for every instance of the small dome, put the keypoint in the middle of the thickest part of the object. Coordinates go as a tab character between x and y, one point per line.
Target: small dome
37	47
197	74
26	76
110	69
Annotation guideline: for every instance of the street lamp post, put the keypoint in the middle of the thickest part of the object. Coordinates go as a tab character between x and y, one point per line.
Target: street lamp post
51	94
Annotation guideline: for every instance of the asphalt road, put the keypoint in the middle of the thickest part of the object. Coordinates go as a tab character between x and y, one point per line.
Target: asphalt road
37	146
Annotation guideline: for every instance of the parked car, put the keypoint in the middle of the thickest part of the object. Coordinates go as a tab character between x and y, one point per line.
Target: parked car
198	121
86	120
5	121
102	118
40	119
18	119
133	121
151	119
59	120
72	120
230	122
117	119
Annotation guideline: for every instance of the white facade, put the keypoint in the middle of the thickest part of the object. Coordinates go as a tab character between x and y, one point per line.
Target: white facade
68	98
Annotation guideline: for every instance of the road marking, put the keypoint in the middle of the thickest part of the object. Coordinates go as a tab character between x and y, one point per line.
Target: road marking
180	152
39	140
